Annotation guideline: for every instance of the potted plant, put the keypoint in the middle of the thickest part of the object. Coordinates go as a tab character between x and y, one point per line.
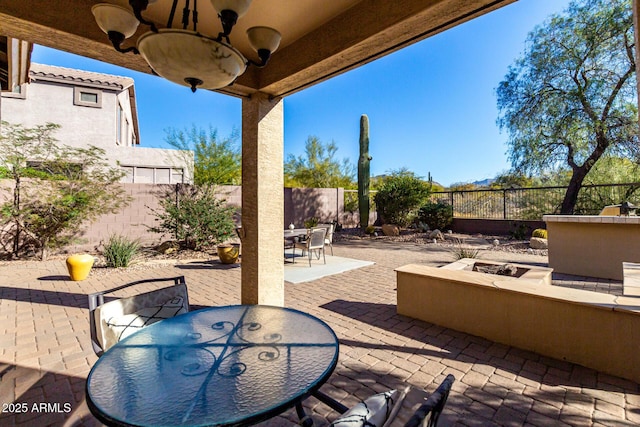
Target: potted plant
228	252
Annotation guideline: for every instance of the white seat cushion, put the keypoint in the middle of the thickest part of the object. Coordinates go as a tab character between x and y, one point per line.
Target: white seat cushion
125	325
372	412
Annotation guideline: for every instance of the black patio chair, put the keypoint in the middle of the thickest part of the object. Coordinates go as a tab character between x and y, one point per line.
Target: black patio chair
433	407
380	410
114	320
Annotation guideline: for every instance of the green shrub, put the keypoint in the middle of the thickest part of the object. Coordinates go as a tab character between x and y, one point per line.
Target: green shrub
119	251
198	220
436	215
311	222
399	196
539	232
520	231
370	229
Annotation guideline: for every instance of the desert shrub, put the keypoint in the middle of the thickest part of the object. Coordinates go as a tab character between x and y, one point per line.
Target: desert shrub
539	232
119	251
519	230
399	197
198	220
436	215
459	250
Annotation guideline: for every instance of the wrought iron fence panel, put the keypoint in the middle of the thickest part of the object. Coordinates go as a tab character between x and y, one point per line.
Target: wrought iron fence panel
532	203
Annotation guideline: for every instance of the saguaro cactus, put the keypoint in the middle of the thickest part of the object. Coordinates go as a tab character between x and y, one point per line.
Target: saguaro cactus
363	172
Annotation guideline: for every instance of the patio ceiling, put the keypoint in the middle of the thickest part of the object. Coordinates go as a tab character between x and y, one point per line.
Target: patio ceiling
320	39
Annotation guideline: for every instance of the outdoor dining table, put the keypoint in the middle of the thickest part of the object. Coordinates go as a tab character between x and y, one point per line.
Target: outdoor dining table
299	233
224	366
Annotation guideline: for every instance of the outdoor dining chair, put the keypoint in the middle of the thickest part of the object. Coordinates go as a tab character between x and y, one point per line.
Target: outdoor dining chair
313	244
114	320
328	239
380	410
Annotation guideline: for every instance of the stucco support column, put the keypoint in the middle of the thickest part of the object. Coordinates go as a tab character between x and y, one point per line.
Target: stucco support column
262	200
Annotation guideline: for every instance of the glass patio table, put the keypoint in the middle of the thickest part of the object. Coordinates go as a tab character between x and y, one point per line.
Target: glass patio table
223	366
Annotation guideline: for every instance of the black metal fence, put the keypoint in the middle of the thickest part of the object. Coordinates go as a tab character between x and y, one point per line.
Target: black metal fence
532	203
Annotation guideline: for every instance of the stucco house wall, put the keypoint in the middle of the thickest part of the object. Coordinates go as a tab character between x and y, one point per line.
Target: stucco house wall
94	109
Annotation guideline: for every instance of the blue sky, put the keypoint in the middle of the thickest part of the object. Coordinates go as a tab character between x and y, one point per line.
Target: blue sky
431	106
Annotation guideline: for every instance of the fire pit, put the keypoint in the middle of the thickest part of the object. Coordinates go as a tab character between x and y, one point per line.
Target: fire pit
516	271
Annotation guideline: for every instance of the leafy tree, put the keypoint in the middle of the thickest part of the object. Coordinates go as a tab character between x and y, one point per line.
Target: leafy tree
399	197
216	161
513	180
195	216
614	170
571	98
56	189
318	168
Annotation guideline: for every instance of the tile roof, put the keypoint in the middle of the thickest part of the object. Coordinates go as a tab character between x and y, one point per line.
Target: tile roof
48	72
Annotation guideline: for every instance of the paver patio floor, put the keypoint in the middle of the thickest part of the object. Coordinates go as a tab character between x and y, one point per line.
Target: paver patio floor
45	350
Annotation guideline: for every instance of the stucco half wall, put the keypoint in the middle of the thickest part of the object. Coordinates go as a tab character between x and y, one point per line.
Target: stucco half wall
596	330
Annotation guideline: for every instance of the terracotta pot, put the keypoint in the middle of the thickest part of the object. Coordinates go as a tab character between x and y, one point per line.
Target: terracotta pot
79	266
228	253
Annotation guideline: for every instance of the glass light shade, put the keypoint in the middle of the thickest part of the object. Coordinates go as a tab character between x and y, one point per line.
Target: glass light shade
238	6
111	17
180	54
264	38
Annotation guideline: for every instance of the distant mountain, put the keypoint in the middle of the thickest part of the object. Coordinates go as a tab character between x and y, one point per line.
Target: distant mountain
484	183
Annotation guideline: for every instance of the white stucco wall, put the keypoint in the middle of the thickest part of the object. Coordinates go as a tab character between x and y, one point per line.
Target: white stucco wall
52	102
48	101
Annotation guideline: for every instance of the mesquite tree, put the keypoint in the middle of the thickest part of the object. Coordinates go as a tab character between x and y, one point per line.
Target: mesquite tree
571	98
56	189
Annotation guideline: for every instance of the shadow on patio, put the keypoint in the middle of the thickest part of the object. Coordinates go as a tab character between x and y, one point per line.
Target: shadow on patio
45	346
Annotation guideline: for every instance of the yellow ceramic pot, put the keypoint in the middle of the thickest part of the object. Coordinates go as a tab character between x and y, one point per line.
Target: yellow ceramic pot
228	253
79	266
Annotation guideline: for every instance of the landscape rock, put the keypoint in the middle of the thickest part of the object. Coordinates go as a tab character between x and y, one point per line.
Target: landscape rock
167	247
501	270
436	234
390	230
538	243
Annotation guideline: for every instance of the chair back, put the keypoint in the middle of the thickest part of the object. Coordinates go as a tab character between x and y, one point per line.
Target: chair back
316	238
330	229
111	321
433	407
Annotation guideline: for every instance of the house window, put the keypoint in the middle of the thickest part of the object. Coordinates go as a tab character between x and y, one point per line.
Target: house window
152	175
19	92
128	174
86	97
144	176
89	97
177	176
119	115
163	176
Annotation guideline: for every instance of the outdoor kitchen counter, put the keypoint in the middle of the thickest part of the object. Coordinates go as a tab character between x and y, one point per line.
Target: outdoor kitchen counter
592	245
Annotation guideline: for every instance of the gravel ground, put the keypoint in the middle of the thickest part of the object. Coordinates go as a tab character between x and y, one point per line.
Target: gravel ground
475	241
